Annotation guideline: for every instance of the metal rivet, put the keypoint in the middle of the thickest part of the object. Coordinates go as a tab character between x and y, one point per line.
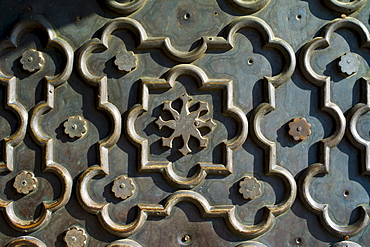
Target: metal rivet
186	238
186	16
346	193
299	17
250	61
298	240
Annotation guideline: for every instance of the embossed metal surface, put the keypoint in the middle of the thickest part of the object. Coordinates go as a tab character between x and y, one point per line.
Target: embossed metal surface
185	123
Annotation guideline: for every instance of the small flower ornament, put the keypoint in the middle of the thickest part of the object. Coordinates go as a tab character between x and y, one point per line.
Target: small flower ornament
126	61
25	182
75	126
32	60
75	237
250	188
299	129
348	63
123	187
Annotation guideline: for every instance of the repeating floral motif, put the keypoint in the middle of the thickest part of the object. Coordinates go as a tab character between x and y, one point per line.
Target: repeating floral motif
25	182
184	123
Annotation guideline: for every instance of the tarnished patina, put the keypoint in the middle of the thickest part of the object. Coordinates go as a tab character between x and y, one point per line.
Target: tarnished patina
184	123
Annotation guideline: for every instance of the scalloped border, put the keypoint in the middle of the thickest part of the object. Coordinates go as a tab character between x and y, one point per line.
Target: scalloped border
39	136
323	82
146	165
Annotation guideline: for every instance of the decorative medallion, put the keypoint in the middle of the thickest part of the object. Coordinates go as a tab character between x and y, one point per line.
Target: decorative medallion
75	126
75	237
123	187
186	123
349	63
250	188
299	129
126	61
32	60
25	182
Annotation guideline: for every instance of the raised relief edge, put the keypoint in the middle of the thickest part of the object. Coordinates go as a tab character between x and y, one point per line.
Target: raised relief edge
165	167
306	178
37	133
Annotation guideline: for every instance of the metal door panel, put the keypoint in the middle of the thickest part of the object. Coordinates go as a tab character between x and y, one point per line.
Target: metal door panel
177	123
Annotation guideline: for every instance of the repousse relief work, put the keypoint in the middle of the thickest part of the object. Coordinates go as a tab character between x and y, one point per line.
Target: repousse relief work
182	120
33	63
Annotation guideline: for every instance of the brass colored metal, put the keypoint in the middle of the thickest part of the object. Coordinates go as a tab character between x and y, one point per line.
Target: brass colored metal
75	126
75	237
348	63
185	123
126	61
299	129
25	182
32	60
123	187
168	127
250	188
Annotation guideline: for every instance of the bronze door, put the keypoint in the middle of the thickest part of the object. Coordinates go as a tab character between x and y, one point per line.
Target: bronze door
185	123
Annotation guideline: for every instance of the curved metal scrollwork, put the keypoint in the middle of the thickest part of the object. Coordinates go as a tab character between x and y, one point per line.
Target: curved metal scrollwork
38	134
322	210
345	7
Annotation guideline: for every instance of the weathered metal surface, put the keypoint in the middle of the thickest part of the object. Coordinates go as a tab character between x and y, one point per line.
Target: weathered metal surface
185	123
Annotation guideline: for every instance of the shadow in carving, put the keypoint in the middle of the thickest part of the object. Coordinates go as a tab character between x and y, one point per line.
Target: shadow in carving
324	83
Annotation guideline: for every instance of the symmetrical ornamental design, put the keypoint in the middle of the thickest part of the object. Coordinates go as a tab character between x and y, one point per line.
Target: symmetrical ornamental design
299	129
166	167
25	182
185	123
324	82
125	61
32	60
75	237
250	188
184	116
348	63
75	126
32	120
123	187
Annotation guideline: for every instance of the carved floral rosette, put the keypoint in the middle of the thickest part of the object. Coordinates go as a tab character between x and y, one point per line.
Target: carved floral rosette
30	120
204	83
